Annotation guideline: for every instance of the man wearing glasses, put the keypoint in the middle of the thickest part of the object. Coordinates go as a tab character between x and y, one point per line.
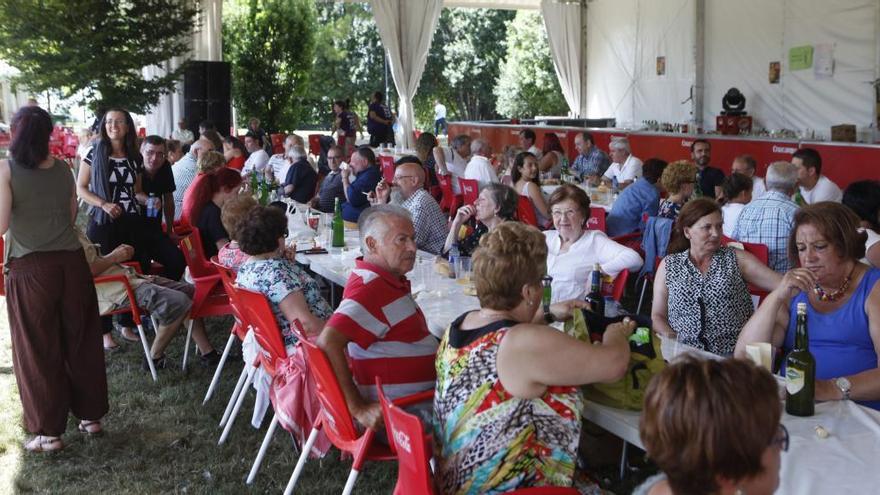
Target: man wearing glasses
160	241
331	187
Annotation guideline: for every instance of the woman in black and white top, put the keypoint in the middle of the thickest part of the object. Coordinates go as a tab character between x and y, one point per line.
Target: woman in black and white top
110	181
701	294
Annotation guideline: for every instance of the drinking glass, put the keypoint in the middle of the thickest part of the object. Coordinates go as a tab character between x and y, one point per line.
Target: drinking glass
463	270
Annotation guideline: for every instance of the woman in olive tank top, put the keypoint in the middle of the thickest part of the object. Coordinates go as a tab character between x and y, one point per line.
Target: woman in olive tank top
50	295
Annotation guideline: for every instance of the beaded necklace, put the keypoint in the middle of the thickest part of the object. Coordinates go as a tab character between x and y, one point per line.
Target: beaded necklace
833	296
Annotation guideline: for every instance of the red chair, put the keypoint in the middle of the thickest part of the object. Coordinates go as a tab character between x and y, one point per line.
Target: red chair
386	162
406	435
760	251
470	189
632	241
526	212
278	142
336	421
416	134
449	202
239	329
597	218
210	298
315	144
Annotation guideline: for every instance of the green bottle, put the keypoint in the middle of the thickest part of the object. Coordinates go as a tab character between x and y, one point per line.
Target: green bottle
800	370
255	183
698	191
799	198
338	239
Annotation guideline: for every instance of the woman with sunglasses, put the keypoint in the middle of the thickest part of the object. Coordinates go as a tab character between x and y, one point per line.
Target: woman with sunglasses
713	427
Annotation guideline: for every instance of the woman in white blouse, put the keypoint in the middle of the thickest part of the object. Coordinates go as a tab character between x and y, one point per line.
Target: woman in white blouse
572	250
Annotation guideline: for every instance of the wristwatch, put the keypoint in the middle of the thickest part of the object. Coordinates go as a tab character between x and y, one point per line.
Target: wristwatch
844	385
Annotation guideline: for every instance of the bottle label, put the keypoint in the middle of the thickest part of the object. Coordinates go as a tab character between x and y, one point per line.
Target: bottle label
794	380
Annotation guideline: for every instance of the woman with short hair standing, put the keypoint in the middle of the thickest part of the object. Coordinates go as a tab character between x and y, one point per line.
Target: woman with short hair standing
51	300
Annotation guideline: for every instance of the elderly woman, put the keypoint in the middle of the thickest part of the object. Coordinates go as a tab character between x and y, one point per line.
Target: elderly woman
843	305
573	250
701	294
292	294
863	198
526	181
232	214
496	204
506	406
712	427
678	180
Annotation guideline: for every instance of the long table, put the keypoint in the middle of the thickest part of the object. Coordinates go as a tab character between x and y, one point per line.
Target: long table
842	463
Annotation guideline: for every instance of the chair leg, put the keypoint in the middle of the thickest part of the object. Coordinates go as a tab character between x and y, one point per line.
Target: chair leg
152	366
238	403
642	296
623	460
238	386
219	369
262	453
349	483
189	331
301	462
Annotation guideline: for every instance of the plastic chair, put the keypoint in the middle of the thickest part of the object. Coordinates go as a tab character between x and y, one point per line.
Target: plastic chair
632	241
227	277
470	190
449	201
210	299
526	212
760	251
315	144
387	164
655	240
597	218
619	285
277	142
336	421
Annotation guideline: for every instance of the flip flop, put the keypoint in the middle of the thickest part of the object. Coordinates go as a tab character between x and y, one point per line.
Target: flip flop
126	338
42	443
90	427
114	348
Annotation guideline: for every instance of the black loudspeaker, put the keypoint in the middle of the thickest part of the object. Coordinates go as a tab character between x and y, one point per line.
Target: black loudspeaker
207	95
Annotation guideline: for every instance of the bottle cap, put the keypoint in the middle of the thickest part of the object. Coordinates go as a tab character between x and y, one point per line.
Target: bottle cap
802	308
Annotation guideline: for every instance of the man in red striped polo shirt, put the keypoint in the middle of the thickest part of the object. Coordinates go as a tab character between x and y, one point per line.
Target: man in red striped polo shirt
378	320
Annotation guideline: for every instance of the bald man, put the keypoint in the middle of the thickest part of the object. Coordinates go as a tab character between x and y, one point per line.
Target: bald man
428	220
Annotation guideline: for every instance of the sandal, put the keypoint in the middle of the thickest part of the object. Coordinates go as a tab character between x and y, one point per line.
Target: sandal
123	331
90	427
42	443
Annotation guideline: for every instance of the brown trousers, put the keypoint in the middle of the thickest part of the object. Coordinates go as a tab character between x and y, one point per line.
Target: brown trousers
57	353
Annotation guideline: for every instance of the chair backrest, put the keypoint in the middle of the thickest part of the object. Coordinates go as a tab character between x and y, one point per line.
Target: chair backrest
277	142
339	424
386	162
760	251
619	285
448	195
194	254
407	439
470	189
597	218
227	277
315	144
258	315
526	212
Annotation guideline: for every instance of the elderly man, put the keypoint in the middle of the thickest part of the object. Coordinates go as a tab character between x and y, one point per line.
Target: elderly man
769	219
301	179
640	200
814	186
258	158
185	171
746	165
378	321
709	178
454	159
279	163
331	186
480	168
427	217
625	167
527	140
591	162
182	134
367	176
157	182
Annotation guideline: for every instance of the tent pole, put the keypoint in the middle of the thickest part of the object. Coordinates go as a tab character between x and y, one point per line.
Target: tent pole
699	62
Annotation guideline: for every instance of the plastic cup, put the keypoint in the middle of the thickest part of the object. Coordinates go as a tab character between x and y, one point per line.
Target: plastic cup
463	269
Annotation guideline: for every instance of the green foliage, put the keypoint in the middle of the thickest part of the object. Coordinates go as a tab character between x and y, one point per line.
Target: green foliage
528	85
95	50
271	45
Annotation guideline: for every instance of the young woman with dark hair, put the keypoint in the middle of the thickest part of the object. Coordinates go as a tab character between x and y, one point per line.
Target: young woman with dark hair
50	296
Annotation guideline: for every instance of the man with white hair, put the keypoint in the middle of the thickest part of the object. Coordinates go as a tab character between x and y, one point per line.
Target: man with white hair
279	164
453	160
769	219
379	322
185	171
480	168
301	179
625	167
428	219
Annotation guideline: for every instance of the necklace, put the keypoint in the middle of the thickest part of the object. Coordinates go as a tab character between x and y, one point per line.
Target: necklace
837	294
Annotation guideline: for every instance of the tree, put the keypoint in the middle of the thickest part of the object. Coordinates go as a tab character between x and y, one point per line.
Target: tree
270	44
96	49
528	85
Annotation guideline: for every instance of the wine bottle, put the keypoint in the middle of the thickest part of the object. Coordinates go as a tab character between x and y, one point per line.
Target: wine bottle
800	370
595	298
338	239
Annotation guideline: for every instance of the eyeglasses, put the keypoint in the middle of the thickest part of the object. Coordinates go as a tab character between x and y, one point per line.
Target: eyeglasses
563	213
404	177
782	438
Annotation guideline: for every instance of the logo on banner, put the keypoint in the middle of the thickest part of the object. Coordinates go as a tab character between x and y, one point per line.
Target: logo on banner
784	149
686	144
